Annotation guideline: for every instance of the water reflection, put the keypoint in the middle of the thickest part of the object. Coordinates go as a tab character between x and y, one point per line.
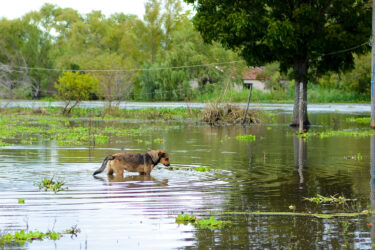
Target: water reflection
136	180
130	212
300	155
372	185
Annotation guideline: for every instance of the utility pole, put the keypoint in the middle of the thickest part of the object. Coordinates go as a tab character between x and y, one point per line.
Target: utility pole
373	67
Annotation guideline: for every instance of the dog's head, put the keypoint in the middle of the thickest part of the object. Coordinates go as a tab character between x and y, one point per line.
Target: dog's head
161	156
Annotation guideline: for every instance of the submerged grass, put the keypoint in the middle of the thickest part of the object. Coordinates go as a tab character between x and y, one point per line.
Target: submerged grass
331	133
359	120
333	199
314	215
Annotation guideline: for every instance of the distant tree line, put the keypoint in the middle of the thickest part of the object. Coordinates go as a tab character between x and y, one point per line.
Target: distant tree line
140	59
34	46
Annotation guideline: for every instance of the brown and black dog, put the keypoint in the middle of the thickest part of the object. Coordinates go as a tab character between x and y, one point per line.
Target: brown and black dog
132	162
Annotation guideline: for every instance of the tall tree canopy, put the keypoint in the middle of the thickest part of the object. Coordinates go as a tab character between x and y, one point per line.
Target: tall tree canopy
300	34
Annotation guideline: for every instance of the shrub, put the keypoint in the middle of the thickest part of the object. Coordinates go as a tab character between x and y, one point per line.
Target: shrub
74	87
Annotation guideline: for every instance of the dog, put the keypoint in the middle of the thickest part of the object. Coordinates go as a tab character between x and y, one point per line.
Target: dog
132	162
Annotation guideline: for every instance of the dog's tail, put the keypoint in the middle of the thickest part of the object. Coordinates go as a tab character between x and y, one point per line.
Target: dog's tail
104	164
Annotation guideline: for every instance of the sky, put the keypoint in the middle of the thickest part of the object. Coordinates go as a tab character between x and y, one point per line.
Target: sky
16	8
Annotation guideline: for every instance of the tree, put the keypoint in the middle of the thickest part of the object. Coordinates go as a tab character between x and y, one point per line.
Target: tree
299	34
74	87
154	33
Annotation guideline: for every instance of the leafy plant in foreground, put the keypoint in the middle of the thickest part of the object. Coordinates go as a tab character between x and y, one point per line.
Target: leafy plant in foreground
50	184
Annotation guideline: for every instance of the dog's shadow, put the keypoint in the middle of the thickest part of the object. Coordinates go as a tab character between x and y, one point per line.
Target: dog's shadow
135	180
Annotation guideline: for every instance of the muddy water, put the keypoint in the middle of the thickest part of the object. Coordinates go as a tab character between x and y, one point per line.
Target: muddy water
270	174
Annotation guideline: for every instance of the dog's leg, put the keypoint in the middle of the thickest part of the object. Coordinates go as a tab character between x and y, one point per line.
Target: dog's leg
110	170
119	172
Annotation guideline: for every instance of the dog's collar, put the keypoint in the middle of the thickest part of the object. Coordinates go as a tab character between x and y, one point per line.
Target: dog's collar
153	162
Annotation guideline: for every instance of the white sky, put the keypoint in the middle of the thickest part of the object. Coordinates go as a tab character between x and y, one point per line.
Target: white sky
11	9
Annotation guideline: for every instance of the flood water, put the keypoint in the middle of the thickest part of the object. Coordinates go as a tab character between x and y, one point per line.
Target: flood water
136	212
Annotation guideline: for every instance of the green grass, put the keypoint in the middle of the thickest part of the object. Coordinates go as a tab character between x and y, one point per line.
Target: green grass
315	94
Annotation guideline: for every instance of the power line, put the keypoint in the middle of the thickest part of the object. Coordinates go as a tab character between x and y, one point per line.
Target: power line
347	50
128	70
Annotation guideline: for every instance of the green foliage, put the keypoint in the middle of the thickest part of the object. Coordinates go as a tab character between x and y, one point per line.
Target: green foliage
75	87
51	185
354	81
292	32
21	201
246	137
302	36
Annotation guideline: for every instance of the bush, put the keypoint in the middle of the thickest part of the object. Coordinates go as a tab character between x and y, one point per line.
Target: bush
74	87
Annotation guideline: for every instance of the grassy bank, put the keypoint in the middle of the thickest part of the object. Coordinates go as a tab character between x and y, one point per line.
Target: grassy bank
315	94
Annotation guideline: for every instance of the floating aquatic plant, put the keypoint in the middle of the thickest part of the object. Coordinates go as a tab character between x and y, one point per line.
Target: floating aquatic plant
51	185
318	199
246	137
210	223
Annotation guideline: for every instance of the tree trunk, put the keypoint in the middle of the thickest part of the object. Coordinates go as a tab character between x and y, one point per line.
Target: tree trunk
300	76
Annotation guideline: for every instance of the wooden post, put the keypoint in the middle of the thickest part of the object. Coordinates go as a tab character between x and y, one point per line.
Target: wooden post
248	103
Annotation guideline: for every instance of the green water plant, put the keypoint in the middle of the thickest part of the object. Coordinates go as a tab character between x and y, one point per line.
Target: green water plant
51	185
201	169
246	137
295	214
197	169
333	199
210	223
158	140
73	231
22	236
3	144
331	133
359	120
185	218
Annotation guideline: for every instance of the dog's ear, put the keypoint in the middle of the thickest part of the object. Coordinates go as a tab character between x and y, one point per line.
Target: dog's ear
154	155
161	153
